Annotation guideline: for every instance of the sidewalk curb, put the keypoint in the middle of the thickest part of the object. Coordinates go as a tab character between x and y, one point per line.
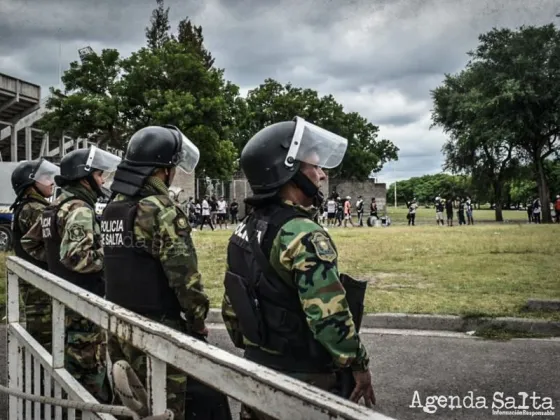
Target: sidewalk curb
441	322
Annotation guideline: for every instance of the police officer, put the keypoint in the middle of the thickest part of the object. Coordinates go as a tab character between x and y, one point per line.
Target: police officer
72	239
33	183
148	249
284	300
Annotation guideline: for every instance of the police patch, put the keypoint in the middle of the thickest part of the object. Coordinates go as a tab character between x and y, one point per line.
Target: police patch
323	247
181	223
76	233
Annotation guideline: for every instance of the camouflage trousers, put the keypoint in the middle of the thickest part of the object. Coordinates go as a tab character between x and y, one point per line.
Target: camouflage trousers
326	381
176	382
37	315
85	356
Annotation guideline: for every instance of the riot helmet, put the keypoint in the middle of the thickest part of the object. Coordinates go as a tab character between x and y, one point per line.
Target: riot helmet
150	148
273	156
82	163
29	172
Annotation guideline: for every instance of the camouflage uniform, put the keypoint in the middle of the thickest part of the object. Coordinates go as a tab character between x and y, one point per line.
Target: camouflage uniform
304	256
37	305
172	245
80	251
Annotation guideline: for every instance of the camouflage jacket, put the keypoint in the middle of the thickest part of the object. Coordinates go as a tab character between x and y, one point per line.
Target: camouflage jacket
80	233
29	214
162	224
304	256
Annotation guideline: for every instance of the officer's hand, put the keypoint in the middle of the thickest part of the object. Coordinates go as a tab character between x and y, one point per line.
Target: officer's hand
364	388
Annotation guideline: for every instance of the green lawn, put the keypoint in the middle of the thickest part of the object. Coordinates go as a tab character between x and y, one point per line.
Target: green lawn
486	269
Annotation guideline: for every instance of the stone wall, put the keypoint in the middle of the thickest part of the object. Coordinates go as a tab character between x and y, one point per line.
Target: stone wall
239	189
185	181
367	189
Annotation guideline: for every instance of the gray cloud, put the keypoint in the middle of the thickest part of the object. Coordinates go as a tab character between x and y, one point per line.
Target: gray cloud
379	58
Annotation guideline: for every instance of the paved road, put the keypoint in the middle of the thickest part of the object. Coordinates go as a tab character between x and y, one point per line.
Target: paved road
441	364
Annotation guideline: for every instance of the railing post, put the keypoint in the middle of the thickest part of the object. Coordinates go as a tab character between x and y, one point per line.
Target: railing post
14	349
157	385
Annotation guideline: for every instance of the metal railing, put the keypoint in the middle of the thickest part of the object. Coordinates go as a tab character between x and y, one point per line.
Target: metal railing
272	393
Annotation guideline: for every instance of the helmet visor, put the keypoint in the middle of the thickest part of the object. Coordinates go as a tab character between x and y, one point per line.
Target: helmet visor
188	156
316	146
101	160
45	172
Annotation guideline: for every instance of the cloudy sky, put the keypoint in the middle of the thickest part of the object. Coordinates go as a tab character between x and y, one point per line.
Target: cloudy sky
378	57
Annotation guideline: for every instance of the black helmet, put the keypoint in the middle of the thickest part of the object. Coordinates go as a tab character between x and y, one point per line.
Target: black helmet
150	148
80	164
161	147
21	177
30	171
273	156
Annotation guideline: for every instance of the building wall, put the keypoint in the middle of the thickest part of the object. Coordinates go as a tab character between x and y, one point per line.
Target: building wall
239	188
186	182
367	189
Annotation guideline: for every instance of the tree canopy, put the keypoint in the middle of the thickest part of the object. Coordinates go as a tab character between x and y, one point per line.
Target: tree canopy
503	110
173	80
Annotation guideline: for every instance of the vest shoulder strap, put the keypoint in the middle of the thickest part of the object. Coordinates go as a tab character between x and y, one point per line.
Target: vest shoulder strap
278	216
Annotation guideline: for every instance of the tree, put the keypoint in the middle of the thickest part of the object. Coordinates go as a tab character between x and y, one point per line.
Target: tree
272	102
514	95
91	106
158	33
169	82
477	145
191	36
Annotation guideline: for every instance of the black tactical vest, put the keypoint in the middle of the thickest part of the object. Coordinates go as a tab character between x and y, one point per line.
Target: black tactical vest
135	280
268	309
92	282
18	234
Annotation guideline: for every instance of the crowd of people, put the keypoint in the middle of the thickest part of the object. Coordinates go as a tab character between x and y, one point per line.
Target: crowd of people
337	211
212	211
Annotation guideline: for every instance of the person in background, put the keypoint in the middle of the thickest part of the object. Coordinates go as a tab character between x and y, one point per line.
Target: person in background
439	211
537	210
412	212
373	208
360	210
469	207
530	212
449	211
348	212
234	211
205	214
331	211
461	211
339	210
222	212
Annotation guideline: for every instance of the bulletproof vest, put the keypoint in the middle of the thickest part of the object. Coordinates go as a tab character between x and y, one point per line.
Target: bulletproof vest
18	234
92	282
268	309
135	280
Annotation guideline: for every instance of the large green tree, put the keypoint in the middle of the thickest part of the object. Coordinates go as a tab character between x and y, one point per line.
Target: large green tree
273	102
511	98
169	81
475	146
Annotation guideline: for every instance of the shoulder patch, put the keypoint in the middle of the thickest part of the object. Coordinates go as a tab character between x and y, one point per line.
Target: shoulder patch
181	222
323	246
76	233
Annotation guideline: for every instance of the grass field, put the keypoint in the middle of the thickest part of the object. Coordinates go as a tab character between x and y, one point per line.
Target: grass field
488	269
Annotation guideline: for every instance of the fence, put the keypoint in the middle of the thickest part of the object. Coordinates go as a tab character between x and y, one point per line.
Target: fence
266	390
